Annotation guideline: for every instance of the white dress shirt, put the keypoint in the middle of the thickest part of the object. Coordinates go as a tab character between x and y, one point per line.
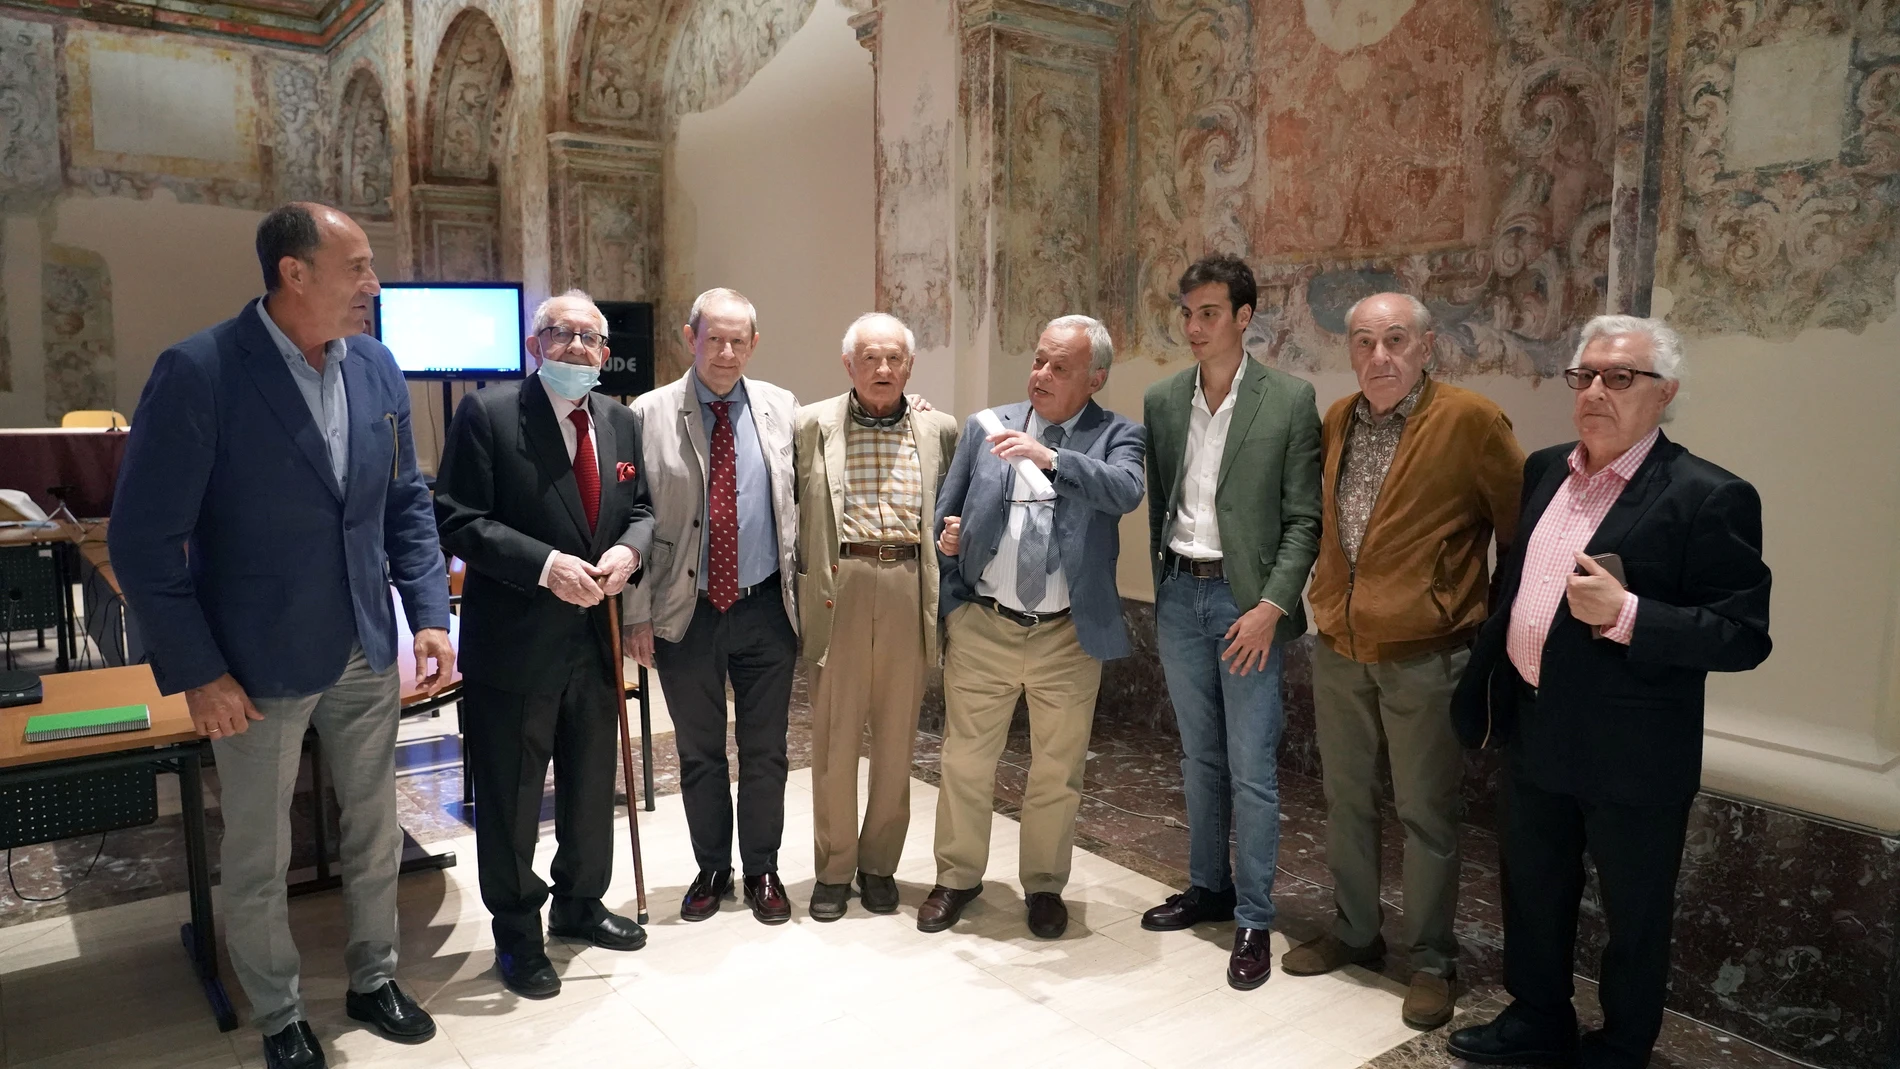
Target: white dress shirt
571	439
1196	534
999	577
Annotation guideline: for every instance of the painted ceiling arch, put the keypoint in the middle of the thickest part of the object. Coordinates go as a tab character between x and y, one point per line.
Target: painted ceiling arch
468	96
365	161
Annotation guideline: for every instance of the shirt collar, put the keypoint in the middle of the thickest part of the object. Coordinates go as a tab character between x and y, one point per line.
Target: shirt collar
706	396
1036	423
334	350
1233	388
1623	467
1362	411
562	406
864	419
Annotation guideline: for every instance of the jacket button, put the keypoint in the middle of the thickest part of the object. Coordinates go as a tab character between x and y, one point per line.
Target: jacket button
834	569
827	603
695	525
689	573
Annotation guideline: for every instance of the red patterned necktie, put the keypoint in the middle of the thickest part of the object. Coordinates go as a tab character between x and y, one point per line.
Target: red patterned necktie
722	502
586	468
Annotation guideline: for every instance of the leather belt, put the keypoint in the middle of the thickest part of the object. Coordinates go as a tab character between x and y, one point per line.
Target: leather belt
1199	569
883	551
1026	619
769	582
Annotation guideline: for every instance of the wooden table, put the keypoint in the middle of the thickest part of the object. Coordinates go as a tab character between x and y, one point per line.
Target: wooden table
171	744
35	459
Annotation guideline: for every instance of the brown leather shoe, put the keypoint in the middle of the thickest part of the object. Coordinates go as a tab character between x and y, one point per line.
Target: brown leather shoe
943	906
1252	960
1048	917
766	895
1328	952
1429	1001
703	897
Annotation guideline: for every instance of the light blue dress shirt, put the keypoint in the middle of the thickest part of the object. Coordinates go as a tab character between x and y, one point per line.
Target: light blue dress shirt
322	391
758	534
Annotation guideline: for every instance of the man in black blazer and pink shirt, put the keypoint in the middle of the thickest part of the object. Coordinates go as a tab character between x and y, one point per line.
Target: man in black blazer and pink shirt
1594	687
542	493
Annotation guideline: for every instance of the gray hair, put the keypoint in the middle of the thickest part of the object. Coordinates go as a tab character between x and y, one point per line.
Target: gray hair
1665	345
544	312
720	293
851	332
1422	322
1101	346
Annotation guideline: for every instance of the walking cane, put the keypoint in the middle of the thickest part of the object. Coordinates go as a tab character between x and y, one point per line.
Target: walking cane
626	758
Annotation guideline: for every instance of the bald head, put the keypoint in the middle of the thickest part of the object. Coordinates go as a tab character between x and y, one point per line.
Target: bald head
1390	338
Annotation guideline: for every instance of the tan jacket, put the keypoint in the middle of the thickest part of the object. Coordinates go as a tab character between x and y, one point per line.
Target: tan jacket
673	441
819	454
1421	583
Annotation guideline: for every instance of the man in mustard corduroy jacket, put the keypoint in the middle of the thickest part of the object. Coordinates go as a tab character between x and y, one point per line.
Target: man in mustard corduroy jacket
1417	475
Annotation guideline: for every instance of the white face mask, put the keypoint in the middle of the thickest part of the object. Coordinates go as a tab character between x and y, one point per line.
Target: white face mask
571	381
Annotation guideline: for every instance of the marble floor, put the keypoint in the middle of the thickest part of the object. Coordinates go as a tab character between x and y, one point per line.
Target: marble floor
1131	824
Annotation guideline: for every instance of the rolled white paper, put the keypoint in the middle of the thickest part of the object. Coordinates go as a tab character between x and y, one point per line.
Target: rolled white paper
1026	469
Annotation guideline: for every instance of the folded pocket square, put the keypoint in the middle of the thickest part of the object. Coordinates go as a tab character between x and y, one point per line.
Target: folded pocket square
625	470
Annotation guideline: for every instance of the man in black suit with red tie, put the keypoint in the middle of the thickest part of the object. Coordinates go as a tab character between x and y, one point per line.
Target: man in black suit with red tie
1593	683
541	493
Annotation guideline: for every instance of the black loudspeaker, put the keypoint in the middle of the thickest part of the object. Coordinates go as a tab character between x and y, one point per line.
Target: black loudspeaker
629	370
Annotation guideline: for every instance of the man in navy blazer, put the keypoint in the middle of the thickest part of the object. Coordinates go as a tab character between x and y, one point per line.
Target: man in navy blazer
268	498
1030	608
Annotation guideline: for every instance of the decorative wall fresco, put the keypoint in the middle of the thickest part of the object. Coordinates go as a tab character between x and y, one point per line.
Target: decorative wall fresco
1462	154
29	115
914	223
458	232
365	170
6	346
607	200
468	98
293	88
1048	262
76	317
1775	237
721	44
613	66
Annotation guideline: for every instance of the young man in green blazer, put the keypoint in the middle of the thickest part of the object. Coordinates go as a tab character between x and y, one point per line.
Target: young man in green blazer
1233	527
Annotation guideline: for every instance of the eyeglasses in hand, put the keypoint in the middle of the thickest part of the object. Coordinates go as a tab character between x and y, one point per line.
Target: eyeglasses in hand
1614	378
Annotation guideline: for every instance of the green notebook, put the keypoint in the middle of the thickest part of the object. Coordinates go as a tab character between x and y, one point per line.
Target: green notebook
50	726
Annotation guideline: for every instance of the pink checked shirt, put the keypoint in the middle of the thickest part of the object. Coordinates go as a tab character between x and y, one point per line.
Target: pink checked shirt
1550	557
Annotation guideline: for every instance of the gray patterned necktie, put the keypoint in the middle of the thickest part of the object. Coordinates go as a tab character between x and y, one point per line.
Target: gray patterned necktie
1034	561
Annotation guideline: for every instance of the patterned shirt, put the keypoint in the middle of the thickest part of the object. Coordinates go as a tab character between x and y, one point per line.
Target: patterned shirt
883	483
1550	555
1371	442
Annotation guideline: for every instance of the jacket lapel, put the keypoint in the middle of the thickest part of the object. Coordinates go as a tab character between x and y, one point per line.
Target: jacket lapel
1170	435
272	379
831	432
929	469
694	427
538	429
367	420
1650	480
607	450
1247	404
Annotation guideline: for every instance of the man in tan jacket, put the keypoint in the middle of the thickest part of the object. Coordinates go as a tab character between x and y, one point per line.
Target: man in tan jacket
868	464
1417	475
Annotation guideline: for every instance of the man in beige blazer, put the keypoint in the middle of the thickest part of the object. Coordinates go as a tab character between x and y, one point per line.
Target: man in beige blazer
868	467
714	603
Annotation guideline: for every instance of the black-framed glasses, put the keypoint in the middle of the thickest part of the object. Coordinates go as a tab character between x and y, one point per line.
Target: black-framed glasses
1614	378
592	339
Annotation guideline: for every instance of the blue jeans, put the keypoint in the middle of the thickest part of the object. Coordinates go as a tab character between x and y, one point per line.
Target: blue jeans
1230	744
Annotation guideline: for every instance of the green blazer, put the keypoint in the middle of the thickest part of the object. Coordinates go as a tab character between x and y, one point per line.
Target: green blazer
1268	494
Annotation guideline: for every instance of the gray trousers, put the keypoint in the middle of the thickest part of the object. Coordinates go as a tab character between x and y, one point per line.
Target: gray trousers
1407	704
257	772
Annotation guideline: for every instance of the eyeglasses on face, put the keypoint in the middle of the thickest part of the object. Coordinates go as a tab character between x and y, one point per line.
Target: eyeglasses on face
560	336
1614	378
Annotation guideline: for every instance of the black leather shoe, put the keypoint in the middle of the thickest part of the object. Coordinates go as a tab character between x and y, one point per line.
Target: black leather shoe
528	975
612	932
766	895
878	893
1048	916
1252	960
392	1012
1196	905
295	1047
828	900
703	897
1508	1040
943	906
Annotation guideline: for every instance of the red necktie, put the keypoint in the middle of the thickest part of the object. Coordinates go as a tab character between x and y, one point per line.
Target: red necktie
722	502
586	468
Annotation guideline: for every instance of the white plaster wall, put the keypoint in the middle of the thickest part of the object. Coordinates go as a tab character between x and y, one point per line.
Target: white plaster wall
774	194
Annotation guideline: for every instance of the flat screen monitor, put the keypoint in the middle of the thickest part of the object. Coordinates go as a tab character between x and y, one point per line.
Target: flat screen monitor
453	330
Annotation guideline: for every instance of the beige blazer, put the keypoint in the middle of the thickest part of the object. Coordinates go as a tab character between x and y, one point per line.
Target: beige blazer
673	441
819	454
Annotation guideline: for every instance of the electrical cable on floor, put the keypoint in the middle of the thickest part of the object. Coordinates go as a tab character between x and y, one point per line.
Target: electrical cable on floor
83	877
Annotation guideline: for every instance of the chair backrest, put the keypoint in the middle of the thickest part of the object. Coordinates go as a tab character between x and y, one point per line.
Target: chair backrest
94	417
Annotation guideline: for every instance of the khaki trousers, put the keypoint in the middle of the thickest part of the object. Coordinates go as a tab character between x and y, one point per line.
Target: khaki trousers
990	662
1407	703
873	675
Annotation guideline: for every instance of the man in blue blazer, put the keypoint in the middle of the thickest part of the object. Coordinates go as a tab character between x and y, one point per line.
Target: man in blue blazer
1030	608
268	498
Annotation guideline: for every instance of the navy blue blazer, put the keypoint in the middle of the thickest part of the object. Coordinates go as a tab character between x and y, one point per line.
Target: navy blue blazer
1099	478
235	547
